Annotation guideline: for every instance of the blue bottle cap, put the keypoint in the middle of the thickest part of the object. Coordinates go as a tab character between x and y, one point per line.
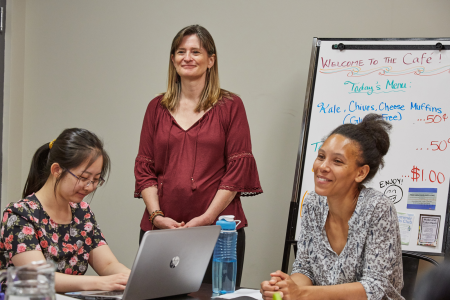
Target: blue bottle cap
227	222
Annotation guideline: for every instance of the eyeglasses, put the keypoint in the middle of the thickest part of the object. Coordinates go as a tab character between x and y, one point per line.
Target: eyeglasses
86	182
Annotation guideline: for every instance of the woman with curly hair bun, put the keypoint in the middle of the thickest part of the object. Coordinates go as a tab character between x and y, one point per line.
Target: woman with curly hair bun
349	244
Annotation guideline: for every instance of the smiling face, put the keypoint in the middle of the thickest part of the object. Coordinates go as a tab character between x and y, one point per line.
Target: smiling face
191	60
336	169
73	190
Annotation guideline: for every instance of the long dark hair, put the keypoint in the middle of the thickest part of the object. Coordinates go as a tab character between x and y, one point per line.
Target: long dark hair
70	149
372	137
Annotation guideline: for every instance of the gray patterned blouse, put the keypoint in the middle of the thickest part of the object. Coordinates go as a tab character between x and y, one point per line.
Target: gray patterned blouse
372	255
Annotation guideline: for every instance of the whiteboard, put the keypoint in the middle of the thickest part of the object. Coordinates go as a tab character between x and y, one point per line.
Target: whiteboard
411	88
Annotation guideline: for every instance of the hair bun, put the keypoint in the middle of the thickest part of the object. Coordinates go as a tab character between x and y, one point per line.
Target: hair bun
379	129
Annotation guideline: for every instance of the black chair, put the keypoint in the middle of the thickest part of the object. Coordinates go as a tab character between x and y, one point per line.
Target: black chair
410	266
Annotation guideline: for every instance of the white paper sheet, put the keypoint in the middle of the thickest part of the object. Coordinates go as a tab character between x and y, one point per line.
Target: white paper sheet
62	297
58	297
405	222
428	230
241	293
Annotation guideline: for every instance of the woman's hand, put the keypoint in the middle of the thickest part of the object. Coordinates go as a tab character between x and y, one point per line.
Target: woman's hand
116	282
166	223
268	288
288	289
199	221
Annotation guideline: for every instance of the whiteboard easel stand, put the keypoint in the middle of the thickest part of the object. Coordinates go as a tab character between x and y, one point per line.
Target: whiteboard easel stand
294	206
290	241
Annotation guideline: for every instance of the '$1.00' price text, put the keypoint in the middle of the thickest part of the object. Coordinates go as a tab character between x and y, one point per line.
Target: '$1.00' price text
418	174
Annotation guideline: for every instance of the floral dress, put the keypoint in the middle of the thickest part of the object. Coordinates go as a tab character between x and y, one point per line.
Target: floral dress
26	226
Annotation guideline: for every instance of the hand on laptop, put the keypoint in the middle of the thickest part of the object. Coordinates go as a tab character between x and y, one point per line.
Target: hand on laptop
116	282
166	223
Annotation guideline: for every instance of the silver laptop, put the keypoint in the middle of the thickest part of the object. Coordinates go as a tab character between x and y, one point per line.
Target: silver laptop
169	262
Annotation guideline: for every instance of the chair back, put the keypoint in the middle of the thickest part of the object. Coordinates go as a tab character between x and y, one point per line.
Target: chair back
410	266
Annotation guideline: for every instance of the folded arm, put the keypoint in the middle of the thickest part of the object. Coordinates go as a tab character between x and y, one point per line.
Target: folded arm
221	200
151	200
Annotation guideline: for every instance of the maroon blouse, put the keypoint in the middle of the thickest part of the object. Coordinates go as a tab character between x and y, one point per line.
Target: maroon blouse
189	166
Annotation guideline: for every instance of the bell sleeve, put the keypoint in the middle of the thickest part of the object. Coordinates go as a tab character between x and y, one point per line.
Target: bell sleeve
144	165
241	174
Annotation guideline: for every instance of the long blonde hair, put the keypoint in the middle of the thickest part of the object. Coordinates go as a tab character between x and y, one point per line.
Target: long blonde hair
212	92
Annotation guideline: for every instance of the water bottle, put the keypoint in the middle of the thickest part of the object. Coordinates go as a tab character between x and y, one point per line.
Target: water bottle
224	264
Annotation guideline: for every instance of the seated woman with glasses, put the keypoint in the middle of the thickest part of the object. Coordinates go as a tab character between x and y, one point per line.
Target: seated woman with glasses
53	222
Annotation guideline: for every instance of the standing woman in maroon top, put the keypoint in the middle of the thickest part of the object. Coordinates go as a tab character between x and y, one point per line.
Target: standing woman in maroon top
195	157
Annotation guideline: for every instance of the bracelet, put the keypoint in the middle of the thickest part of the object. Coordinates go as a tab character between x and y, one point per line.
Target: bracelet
155	214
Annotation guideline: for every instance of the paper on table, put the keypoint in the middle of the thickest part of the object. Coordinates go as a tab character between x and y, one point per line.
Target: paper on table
242	293
58	297
62	297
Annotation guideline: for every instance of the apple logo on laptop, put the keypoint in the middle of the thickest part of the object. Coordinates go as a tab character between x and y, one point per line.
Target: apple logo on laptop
174	262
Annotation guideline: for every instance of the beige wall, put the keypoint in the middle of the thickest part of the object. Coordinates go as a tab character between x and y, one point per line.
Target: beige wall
13	102
97	64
